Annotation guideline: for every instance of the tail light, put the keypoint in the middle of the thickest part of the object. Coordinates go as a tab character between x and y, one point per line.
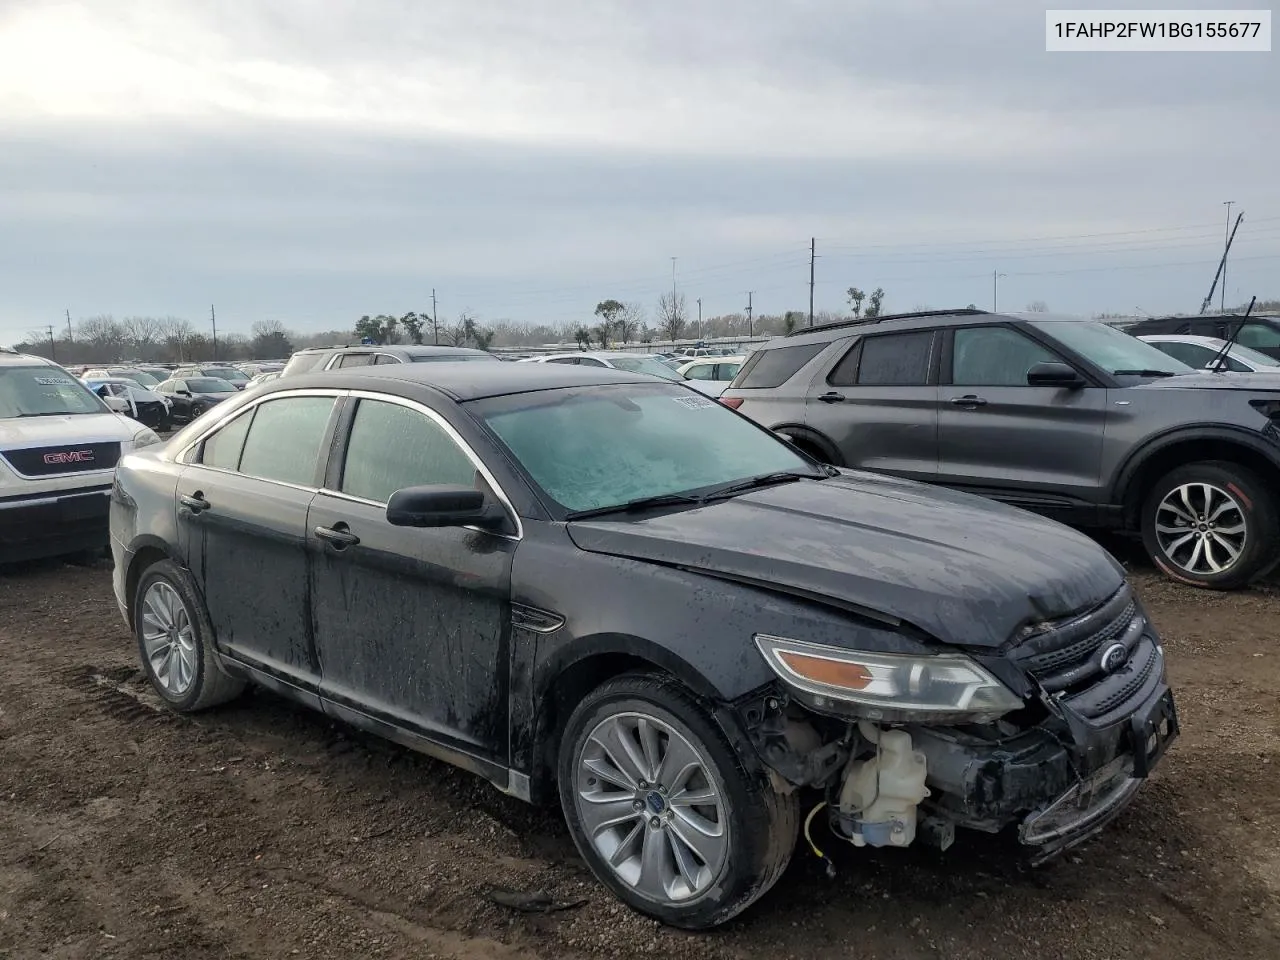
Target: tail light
733	403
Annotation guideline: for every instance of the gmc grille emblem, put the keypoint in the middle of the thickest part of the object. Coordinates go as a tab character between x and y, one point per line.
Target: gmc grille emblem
68	456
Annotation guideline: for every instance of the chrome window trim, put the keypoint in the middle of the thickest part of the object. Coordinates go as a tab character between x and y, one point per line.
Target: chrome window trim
462	444
181	455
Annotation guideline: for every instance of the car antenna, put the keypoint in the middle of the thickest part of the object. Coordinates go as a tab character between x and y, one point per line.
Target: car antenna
1220	360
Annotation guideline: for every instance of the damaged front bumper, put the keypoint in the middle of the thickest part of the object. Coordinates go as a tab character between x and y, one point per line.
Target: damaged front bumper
1060	786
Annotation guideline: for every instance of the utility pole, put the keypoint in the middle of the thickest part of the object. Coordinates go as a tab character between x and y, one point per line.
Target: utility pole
1226	247
699	318
435	323
813	246
750	294
68	325
995	290
53	351
213	318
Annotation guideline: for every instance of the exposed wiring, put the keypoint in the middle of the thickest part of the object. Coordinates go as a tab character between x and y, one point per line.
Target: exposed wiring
808	837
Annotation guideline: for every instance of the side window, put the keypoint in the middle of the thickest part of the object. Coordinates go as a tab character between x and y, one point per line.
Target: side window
896	360
590	362
224	447
1192	354
772	368
355	360
727	371
384	358
564	360
284	441
179	386
1259	336
995	357
164	386
393	447
701	371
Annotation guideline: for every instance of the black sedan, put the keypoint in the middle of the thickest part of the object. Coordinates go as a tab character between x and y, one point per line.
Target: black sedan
606	589
192	397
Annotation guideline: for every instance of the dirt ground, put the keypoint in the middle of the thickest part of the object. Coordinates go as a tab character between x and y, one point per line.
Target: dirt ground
261	830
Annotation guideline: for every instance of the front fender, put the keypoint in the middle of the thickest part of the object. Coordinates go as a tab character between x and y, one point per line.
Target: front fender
1129	468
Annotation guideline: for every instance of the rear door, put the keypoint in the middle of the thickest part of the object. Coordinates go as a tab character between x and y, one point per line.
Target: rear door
878	403
996	433
242	518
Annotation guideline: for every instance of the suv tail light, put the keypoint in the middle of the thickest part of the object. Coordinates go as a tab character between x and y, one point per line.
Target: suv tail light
733	403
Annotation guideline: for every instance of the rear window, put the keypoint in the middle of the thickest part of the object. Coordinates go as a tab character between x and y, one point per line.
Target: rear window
302	362
772	368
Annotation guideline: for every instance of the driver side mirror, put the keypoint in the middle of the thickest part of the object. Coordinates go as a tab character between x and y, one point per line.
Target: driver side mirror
1055	375
444	506
183	393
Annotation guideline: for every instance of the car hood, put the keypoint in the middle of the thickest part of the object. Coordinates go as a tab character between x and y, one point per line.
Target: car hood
1253	382
963	569
17	433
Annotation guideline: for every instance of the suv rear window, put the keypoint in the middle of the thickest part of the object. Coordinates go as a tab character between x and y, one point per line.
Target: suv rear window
302	362
772	368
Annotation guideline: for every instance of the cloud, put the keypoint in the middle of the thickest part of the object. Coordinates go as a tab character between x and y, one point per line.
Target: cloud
321	160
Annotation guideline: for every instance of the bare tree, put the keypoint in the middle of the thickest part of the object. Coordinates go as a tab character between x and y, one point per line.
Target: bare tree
630	320
102	331
1037	306
144	333
177	333
671	315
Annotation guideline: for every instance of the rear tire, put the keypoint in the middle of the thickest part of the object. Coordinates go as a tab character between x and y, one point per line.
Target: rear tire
175	641
635	820
1212	525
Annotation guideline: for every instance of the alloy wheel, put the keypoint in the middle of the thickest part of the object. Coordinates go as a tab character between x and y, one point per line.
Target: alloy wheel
651	805
1201	528
168	638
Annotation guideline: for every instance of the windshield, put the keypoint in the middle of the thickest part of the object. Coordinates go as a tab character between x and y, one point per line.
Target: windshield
226	373
41	391
1250	356
209	385
593	447
1109	348
654	368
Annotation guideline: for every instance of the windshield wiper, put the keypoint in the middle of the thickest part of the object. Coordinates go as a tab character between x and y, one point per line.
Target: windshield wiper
1143	373
765	480
641	503
52	413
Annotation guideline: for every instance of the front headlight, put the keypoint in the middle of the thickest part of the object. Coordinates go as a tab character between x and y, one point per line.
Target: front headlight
144	438
940	688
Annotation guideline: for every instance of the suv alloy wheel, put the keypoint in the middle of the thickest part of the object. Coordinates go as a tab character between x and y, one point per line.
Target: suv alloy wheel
1212	525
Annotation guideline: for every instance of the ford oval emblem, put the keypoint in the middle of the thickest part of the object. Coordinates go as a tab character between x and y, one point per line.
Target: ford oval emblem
1113	658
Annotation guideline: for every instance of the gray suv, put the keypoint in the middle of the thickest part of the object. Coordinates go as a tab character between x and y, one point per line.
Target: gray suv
1067	417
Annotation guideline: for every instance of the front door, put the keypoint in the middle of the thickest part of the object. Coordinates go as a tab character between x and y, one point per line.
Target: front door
997	434
242	508
879	404
412	625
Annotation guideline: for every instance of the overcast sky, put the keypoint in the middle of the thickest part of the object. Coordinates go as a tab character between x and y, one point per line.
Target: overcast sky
313	161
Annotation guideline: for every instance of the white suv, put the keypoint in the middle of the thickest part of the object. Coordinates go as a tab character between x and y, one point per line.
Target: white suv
58	450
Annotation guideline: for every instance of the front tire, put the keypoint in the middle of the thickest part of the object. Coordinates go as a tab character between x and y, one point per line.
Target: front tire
1211	525
662	809
175	641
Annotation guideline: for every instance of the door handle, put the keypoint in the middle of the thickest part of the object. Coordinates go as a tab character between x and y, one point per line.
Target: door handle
832	397
969	401
196	502
338	536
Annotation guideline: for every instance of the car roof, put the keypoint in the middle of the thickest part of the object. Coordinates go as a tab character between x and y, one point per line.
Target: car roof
705	361
1184	338
467	380
11	358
